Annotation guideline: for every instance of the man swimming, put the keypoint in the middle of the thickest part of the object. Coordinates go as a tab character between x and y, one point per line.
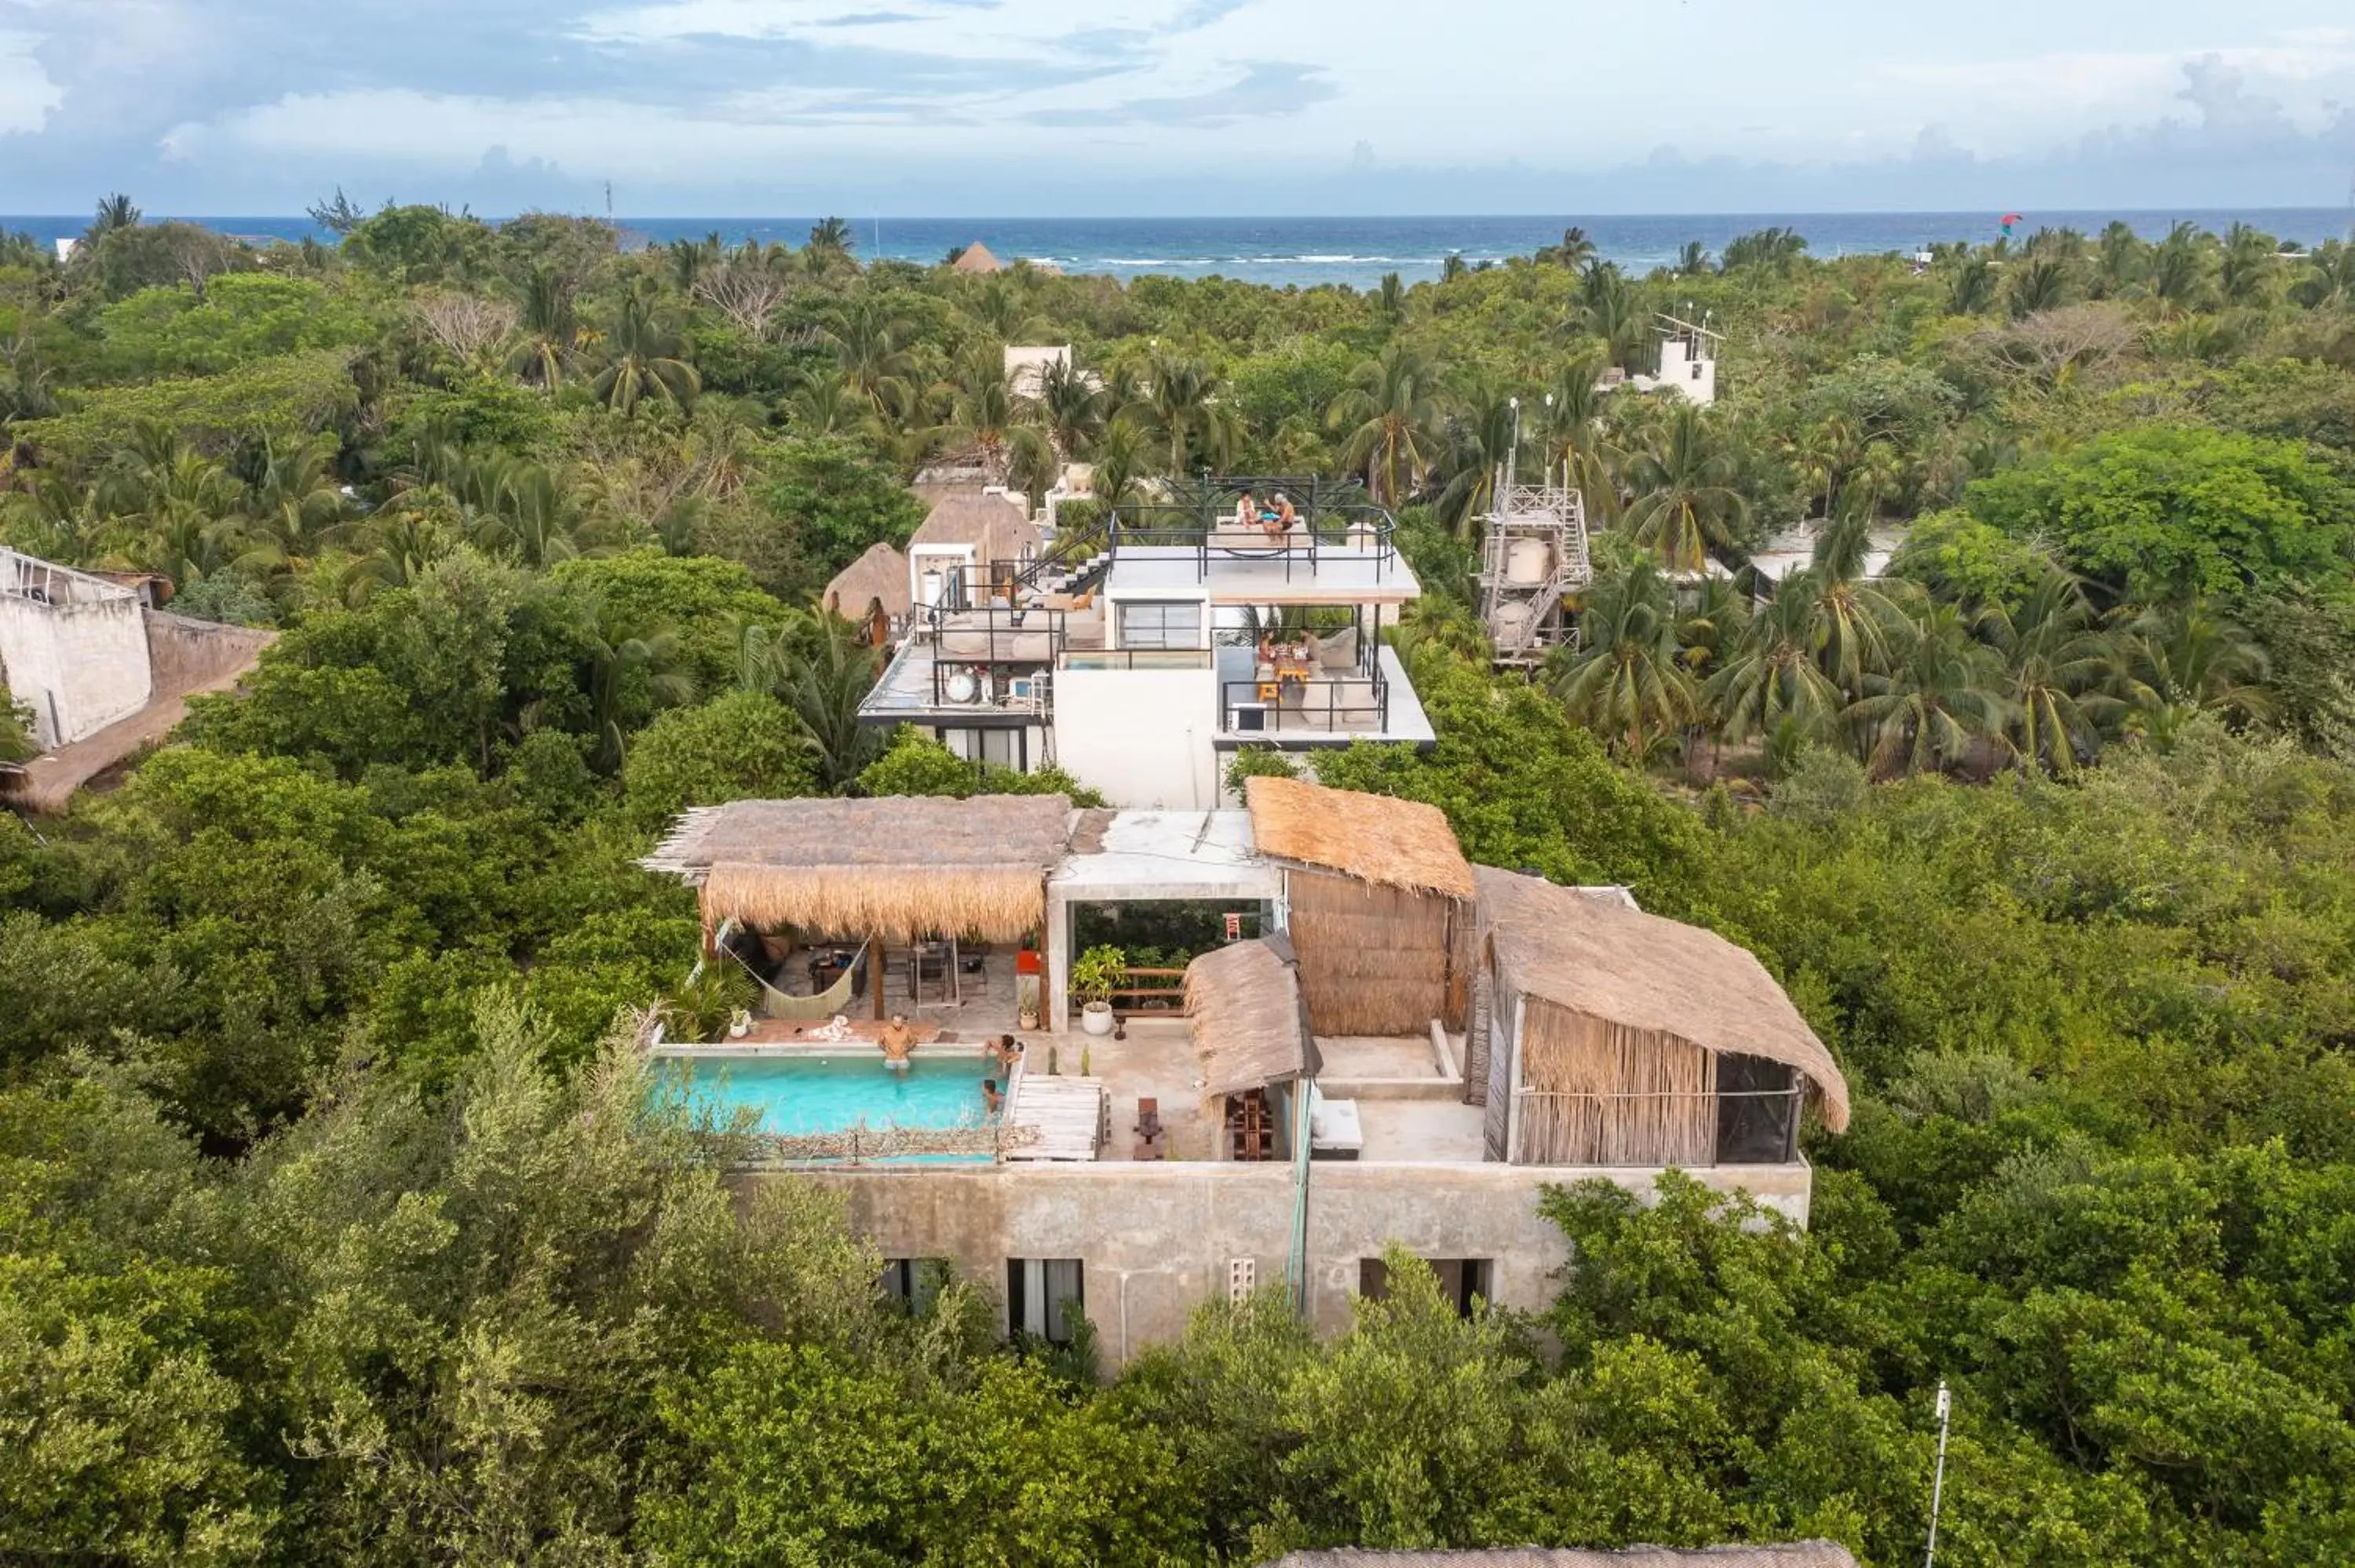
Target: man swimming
992	1102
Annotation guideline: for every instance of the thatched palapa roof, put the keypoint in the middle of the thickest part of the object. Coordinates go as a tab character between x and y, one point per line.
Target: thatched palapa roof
903	867
976	258
1373	838
1243	1010
996	527
879	576
1598	956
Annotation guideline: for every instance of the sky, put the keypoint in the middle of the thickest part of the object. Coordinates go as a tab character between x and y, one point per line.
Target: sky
1080	108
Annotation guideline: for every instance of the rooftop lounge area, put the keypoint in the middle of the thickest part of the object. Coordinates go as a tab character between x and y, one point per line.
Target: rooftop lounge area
1373	998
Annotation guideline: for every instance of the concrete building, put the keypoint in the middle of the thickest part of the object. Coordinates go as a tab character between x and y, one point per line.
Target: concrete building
1140	654
73	648
1380	1044
100	670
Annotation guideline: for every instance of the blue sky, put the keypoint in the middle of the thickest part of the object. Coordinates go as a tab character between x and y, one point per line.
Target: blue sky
1144	107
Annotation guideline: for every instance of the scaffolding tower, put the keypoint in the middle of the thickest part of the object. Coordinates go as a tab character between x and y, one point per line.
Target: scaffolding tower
1534	555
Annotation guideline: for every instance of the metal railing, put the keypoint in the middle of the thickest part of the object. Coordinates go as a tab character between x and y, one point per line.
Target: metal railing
1326	524
1352	704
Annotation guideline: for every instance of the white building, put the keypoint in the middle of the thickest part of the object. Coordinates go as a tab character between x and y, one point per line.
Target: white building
1133	656
73	648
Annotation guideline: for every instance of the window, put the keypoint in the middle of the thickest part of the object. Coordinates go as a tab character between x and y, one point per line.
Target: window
1154	624
911	1283
1462	1280
998	748
1043	1296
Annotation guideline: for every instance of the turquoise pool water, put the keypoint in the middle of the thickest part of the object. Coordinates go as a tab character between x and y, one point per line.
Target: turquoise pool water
794	1095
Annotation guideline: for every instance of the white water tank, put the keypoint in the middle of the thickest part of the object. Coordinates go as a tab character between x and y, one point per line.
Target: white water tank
1528	562
963	687
1511	622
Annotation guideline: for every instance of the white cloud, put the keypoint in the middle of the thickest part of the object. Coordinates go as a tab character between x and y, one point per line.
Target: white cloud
27	96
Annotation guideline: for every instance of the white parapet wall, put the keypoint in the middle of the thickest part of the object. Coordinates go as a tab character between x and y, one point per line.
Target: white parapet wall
1143	737
1156	1240
73	649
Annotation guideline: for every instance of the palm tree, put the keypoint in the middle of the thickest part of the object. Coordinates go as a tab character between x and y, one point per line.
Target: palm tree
2172	663
987	419
629	667
825	403
1477	438
645	366
870	342
1117	461
1684	503
2245	272
551	330
1181	411
2054	659
2120	258
2042	283
1390	303
1970	289
114	212
1693	258
1576	440
2328	282
2178	269
1852	620
293	502
825	691
1393	418
831	235
1073	404
1940	692
1625	682
1574	252
1774	674
402	543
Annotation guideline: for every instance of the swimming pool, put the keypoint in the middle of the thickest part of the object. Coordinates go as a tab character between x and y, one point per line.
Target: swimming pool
800	1095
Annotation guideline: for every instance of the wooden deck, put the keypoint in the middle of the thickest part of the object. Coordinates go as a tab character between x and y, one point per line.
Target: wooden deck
1069	1114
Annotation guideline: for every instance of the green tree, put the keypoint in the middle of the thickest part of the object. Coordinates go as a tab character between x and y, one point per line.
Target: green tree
1627	681
1685	502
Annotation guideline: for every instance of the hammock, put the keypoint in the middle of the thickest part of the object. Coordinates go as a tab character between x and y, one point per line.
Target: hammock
778	1004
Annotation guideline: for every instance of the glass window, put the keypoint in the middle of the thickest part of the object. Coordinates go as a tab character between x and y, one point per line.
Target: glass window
1154	624
1043	1296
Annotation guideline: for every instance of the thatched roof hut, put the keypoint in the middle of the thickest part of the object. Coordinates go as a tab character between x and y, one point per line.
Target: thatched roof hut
1374	839
902	867
1243	1012
1635	1030
976	258
994	525
878	579
1380	904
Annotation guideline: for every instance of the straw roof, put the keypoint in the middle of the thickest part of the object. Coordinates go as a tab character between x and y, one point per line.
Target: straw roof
903	867
998	528
976	258
1243	1010
879	576
1597	955
1373	838
1793	1554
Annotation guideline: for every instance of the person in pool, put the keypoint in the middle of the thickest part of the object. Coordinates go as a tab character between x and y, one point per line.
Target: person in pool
1006	1052
899	1044
992	1102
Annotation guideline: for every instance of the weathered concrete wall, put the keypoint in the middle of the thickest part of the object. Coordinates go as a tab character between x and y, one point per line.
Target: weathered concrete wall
1142	737
1157	1239
79	666
185	654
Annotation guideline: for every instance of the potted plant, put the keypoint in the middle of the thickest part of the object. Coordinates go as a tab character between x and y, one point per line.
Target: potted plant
1093	978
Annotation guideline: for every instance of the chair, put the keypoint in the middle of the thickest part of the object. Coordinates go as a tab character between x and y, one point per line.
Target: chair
1151	1137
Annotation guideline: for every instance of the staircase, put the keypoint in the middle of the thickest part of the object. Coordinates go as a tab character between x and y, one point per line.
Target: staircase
1554	514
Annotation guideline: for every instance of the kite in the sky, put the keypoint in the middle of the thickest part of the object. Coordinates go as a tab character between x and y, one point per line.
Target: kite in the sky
2008	219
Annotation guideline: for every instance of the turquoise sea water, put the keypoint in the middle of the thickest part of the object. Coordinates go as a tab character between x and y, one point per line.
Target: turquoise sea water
1356	251
795	1094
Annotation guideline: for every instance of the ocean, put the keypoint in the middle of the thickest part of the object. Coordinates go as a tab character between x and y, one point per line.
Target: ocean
1356	251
